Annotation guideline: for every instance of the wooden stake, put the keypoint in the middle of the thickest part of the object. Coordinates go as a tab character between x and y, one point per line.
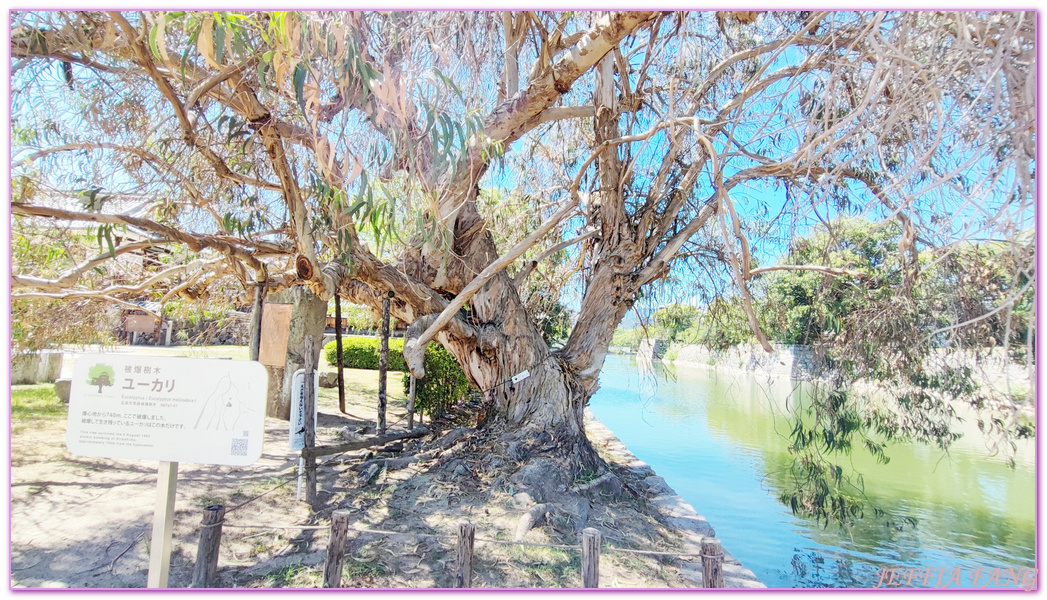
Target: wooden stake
590	558
712	563
207	551
410	405
163	523
338	351
310	426
383	363
463	577
336	549
256	319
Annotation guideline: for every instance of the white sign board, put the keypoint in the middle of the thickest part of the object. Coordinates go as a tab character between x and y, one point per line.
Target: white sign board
296	433
193	410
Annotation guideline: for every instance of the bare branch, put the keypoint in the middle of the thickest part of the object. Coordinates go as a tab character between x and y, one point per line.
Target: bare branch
816	268
122	289
529	267
205	86
69	278
195	242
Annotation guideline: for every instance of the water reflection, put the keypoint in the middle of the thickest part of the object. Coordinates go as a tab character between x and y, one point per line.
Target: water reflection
721	441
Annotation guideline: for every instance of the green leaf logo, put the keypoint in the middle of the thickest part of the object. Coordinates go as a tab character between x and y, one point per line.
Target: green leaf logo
101	375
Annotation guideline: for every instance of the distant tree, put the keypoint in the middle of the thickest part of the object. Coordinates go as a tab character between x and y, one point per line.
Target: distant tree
854	264
675	318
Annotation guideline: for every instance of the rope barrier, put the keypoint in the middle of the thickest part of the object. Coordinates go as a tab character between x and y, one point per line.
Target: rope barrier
530	544
304	527
444	536
278	486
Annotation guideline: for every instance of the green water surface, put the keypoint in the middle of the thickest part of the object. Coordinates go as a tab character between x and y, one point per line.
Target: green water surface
720	440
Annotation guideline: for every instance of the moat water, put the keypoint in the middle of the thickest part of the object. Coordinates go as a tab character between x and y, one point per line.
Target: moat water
721	441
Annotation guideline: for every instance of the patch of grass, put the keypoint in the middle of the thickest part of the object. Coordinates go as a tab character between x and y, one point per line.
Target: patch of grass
292	576
204	500
548	567
36	401
587	475
353	569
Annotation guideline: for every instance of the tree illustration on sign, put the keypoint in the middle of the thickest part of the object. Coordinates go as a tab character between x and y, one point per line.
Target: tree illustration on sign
100	375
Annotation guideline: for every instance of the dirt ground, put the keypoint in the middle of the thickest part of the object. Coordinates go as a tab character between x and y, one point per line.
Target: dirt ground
85	523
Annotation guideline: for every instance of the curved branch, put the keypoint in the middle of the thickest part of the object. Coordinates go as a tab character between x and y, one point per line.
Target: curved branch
414	351
121	289
69	278
206	85
508	122
195	242
530	267
815	268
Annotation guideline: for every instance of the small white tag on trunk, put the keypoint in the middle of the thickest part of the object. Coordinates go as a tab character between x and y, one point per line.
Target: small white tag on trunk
521	376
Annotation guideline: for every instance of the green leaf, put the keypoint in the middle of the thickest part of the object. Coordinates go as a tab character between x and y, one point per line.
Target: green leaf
263	67
153	32
109	241
300	73
219	44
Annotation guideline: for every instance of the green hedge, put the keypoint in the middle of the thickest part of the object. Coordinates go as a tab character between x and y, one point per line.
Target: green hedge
444	383
362	353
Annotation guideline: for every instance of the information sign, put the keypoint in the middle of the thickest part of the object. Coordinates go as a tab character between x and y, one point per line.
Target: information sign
296	437
207	411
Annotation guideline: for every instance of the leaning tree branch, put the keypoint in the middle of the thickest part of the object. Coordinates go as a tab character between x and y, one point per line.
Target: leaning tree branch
122	289
530	267
414	350
507	122
206	85
195	242
69	278
816	268
740	271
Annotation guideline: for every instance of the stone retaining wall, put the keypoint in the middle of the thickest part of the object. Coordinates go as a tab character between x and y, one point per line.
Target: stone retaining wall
36	367
793	362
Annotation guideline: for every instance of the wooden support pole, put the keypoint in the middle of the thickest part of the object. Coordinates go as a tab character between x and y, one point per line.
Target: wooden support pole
309	407
163	523
383	363
378	440
338	351
463	577
256	320
712	563
590	558
410	405
207	551
336	549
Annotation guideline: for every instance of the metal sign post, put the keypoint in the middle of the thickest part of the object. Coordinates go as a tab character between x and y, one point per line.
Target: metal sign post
296	431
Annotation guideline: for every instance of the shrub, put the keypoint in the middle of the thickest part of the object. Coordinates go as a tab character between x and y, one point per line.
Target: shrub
444	383
362	353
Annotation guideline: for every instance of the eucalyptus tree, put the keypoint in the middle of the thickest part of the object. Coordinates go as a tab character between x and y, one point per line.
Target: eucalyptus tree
351	152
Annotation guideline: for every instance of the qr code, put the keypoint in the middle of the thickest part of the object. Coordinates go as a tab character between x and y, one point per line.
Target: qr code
239	447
